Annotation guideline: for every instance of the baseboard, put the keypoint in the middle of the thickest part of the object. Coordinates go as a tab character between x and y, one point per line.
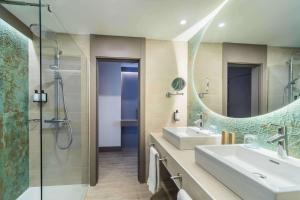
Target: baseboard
106	149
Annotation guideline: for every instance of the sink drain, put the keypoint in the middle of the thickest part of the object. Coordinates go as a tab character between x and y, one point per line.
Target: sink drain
259	175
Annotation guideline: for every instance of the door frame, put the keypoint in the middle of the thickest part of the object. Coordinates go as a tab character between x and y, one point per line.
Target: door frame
115	47
141	144
141	133
117	60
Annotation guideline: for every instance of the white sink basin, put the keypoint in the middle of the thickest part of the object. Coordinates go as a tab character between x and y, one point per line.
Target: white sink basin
189	137
252	173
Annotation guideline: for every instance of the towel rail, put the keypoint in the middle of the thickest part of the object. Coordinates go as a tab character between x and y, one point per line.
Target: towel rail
162	159
151	145
179	178
174	178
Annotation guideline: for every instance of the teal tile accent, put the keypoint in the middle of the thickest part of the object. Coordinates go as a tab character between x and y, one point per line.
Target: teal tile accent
14	129
288	115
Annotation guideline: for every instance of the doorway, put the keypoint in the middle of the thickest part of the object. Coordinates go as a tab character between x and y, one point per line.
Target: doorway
118	114
243	87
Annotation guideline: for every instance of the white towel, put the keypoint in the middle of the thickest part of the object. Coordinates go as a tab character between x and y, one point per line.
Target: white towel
153	178
182	195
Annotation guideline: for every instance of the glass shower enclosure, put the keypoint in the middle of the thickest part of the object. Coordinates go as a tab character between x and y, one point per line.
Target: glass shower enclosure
43	105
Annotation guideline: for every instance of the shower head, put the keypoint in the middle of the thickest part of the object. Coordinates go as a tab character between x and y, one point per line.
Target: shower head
45	34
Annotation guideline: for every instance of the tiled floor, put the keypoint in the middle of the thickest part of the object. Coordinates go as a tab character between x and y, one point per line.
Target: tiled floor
118	178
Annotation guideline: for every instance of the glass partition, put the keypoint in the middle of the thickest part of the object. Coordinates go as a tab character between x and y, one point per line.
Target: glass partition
43	105
64	115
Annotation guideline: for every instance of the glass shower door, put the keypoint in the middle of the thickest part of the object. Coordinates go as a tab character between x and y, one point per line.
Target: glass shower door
64	112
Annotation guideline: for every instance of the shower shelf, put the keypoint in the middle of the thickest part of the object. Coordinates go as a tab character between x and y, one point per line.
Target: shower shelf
56	121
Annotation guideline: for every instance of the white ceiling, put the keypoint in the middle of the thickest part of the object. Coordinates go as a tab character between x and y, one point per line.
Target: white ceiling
272	22
159	19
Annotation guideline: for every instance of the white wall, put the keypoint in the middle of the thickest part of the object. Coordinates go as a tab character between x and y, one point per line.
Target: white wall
109	104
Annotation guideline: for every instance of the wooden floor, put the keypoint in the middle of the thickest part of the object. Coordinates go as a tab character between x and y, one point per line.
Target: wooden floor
118	178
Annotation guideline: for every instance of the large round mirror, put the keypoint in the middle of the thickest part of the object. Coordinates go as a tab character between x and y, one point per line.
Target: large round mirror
248	61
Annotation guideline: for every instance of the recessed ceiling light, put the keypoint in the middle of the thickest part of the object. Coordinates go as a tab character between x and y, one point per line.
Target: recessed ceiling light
183	22
221	25
194	29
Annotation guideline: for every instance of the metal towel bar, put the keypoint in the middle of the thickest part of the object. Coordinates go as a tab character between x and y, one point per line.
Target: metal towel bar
162	159
179	178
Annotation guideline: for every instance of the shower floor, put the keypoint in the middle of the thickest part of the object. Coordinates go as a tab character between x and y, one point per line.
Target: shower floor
59	192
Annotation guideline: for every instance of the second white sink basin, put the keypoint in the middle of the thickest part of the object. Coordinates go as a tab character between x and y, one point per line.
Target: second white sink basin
189	137
252	173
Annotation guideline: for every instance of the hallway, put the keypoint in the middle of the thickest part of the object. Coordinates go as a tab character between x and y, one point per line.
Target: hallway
118	178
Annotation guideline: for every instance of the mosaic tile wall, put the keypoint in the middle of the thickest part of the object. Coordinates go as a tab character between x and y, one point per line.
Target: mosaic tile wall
14	132
288	116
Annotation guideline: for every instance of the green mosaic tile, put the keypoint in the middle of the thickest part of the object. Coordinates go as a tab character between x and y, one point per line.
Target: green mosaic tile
14	130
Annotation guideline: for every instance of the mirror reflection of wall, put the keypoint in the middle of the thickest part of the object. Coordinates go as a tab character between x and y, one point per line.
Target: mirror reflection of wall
273	77
271	50
284	73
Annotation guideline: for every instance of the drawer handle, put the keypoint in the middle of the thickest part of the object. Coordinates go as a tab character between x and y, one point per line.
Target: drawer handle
179	178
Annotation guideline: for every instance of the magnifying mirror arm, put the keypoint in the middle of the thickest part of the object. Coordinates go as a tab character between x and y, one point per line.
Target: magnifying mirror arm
169	94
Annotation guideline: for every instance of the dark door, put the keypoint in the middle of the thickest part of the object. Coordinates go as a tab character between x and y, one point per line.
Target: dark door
239	91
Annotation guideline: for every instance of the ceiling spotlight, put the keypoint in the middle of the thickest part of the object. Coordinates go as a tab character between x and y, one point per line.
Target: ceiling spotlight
183	22
221	25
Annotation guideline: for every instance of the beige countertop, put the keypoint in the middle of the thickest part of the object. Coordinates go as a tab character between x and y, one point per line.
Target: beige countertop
186	159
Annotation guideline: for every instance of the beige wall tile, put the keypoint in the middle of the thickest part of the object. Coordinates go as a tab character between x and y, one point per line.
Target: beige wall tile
60	166
165	60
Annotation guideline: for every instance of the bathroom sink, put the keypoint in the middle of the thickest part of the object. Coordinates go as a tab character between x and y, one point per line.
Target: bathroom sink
252	173
189	137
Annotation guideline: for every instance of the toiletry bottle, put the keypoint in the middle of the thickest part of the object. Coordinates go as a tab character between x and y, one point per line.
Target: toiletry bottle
36	96
176	116
43	96
224	137
231	138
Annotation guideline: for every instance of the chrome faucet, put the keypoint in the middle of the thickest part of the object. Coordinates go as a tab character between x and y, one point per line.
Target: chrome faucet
200	121
282	141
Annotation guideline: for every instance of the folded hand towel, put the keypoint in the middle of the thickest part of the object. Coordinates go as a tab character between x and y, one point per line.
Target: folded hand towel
153	178
182	195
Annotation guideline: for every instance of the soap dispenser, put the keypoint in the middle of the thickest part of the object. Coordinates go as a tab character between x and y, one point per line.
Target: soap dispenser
43	96
36	97
176	116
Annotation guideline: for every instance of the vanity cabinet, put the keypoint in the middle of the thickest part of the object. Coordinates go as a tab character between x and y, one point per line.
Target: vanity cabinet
198	183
